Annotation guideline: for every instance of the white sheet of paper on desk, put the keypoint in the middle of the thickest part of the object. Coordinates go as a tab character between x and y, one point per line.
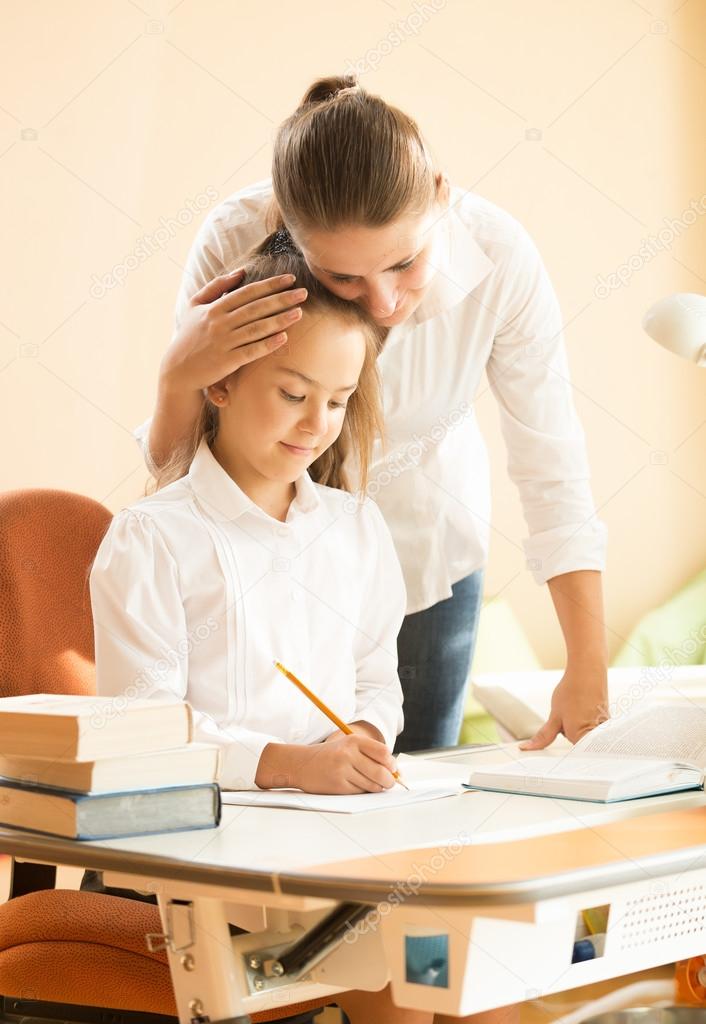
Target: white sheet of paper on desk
425	781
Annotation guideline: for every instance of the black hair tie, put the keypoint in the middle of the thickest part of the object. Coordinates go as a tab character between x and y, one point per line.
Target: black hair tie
282	244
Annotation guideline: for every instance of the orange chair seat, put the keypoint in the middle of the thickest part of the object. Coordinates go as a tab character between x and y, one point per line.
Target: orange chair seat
86	948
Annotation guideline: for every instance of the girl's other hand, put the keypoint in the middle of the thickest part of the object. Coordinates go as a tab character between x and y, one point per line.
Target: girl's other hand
224	327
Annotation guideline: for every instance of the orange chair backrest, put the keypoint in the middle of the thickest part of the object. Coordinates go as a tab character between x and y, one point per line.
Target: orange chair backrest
48	540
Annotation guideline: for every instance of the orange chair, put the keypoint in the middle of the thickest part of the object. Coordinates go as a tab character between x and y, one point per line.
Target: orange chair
63	951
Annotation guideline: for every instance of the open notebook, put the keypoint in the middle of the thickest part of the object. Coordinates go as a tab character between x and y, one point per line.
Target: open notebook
426	781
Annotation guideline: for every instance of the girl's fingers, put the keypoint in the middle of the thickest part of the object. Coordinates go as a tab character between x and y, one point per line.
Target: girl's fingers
376	776
359	783
218	286
377	751
247	333
256	290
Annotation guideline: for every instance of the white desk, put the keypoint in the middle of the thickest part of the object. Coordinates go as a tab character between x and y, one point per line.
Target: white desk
498	879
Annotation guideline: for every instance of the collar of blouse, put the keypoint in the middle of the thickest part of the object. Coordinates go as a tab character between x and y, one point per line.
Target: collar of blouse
224	501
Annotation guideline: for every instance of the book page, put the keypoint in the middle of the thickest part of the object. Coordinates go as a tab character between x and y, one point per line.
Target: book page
75	704
672	732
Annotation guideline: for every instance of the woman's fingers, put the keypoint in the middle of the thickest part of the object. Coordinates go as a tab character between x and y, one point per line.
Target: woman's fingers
544	736
228	324
218	286
258	329
271	305
248	352
256	290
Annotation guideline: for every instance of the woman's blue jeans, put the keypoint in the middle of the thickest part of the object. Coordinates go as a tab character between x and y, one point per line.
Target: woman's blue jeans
435	649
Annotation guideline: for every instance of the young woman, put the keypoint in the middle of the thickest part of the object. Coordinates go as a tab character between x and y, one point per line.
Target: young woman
461	290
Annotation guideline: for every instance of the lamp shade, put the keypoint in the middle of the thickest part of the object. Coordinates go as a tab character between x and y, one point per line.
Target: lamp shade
678	323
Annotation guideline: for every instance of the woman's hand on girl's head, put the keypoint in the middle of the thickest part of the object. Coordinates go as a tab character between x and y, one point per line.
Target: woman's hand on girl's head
224	327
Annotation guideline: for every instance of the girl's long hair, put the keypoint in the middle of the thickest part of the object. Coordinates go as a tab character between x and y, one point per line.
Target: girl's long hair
363	418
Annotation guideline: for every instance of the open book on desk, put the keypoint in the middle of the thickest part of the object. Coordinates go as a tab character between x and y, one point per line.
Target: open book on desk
657	750
520	701
426	782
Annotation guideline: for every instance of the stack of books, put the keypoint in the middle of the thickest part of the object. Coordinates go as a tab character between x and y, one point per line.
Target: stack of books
104	767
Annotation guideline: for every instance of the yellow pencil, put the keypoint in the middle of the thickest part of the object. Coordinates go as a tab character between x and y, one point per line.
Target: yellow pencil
331	715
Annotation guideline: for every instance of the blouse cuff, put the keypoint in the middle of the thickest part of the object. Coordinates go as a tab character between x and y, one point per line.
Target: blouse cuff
240	760
568	548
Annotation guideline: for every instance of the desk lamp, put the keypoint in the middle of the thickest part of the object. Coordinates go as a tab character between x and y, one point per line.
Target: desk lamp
678	323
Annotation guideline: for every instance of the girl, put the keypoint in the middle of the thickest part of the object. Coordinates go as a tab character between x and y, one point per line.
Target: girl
250	549
240	557
462	291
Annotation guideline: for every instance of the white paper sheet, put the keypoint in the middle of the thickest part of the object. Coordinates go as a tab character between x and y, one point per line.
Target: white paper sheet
426	781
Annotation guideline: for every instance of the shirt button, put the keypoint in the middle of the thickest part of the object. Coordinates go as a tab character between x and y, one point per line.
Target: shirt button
283	531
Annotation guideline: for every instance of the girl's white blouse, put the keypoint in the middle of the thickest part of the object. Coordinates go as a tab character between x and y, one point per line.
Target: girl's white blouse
491	307
196	590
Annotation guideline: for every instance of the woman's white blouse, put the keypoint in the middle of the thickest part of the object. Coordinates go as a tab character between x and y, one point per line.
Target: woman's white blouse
491	307
195	590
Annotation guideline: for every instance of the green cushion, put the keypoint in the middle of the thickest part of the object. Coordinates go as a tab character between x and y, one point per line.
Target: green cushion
675	632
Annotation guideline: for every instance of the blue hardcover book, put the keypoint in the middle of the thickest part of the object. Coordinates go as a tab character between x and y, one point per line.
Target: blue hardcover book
74	815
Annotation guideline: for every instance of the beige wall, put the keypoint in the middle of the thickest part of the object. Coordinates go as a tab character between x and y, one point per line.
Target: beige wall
115	116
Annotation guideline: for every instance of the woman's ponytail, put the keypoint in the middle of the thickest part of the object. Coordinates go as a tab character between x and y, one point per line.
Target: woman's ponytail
344	157
324	89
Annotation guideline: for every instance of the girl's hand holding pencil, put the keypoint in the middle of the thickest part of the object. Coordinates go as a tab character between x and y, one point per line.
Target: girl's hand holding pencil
351	760
345	764
342	764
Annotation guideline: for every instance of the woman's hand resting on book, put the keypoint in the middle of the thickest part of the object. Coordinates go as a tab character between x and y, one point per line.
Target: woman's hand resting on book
579	704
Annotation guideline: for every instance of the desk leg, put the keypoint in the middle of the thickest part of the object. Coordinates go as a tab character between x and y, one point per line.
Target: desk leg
208	987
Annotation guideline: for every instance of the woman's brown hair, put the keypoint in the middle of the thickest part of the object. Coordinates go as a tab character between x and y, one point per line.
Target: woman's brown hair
347	157
363	419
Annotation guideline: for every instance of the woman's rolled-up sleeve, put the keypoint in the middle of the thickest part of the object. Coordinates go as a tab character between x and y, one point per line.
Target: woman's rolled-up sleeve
547	460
